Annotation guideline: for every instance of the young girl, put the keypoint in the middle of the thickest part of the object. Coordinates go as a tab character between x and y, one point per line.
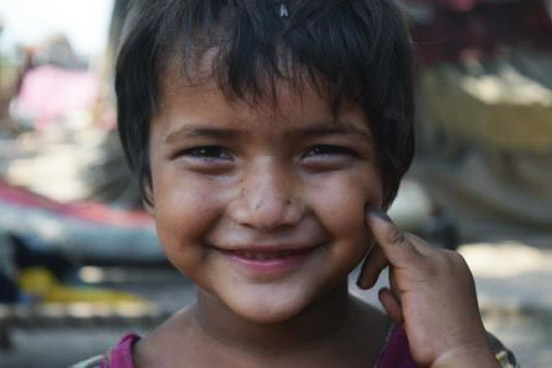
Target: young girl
269	137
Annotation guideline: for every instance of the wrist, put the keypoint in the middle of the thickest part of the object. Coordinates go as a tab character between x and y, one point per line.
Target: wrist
481	357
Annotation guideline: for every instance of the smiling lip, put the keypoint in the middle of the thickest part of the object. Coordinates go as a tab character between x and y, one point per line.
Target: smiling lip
269	260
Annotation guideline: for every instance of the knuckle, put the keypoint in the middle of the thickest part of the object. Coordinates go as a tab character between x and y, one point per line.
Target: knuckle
455	259
416	238
453	263
462	266
397	237
429	268
435	263
443	258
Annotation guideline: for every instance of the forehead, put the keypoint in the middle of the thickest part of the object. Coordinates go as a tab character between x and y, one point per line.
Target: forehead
283	101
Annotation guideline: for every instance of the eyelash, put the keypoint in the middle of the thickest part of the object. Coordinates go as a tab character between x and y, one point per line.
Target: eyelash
329	150
207	153
212	159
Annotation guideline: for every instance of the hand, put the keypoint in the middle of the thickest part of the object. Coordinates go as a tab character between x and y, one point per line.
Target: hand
432	294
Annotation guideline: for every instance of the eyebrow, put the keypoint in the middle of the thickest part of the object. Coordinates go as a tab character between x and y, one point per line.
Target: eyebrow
335	127
329	128
201	132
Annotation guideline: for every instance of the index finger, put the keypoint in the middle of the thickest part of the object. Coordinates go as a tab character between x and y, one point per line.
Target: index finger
395	245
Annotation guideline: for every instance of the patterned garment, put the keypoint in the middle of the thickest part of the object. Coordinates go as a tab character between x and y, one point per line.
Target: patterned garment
395	353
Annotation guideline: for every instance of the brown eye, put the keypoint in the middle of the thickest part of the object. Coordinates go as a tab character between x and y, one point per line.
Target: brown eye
208	152
328	150
324	157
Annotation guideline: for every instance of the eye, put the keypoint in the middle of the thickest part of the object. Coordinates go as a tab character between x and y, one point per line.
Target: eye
207	153
210	160
328	150
325	157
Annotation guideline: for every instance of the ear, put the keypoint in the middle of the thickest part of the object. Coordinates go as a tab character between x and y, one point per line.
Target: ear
148	201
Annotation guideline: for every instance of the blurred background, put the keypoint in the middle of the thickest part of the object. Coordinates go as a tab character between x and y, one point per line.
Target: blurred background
79	259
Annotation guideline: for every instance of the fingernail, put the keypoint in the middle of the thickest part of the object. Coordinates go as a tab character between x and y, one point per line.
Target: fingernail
379	214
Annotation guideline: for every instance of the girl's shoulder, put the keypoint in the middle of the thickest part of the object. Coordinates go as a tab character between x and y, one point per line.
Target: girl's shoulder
118	357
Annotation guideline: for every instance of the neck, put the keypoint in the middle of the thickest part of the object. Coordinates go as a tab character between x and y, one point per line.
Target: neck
311	327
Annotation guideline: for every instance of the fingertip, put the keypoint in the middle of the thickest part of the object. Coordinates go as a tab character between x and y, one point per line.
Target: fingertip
371	269
391	305
383	293
381	225
383	296
363	282
377	214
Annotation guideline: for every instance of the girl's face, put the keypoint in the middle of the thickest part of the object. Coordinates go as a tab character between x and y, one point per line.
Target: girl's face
261	207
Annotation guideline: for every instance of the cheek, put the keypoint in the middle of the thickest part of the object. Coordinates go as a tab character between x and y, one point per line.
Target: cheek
185	208
340	201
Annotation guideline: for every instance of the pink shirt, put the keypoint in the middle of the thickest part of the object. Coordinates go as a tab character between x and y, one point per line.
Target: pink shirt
395	353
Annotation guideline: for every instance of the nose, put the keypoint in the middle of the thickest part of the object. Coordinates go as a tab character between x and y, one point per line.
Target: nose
267	198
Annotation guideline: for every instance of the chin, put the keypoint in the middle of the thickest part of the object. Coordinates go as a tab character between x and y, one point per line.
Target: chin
268	317
267	310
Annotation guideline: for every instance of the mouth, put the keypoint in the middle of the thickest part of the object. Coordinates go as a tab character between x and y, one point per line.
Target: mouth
267	255
268	260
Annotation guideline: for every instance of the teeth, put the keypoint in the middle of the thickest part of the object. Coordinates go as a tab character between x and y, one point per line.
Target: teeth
263	256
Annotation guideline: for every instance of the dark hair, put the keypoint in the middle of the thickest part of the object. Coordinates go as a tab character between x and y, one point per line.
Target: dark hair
353	50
